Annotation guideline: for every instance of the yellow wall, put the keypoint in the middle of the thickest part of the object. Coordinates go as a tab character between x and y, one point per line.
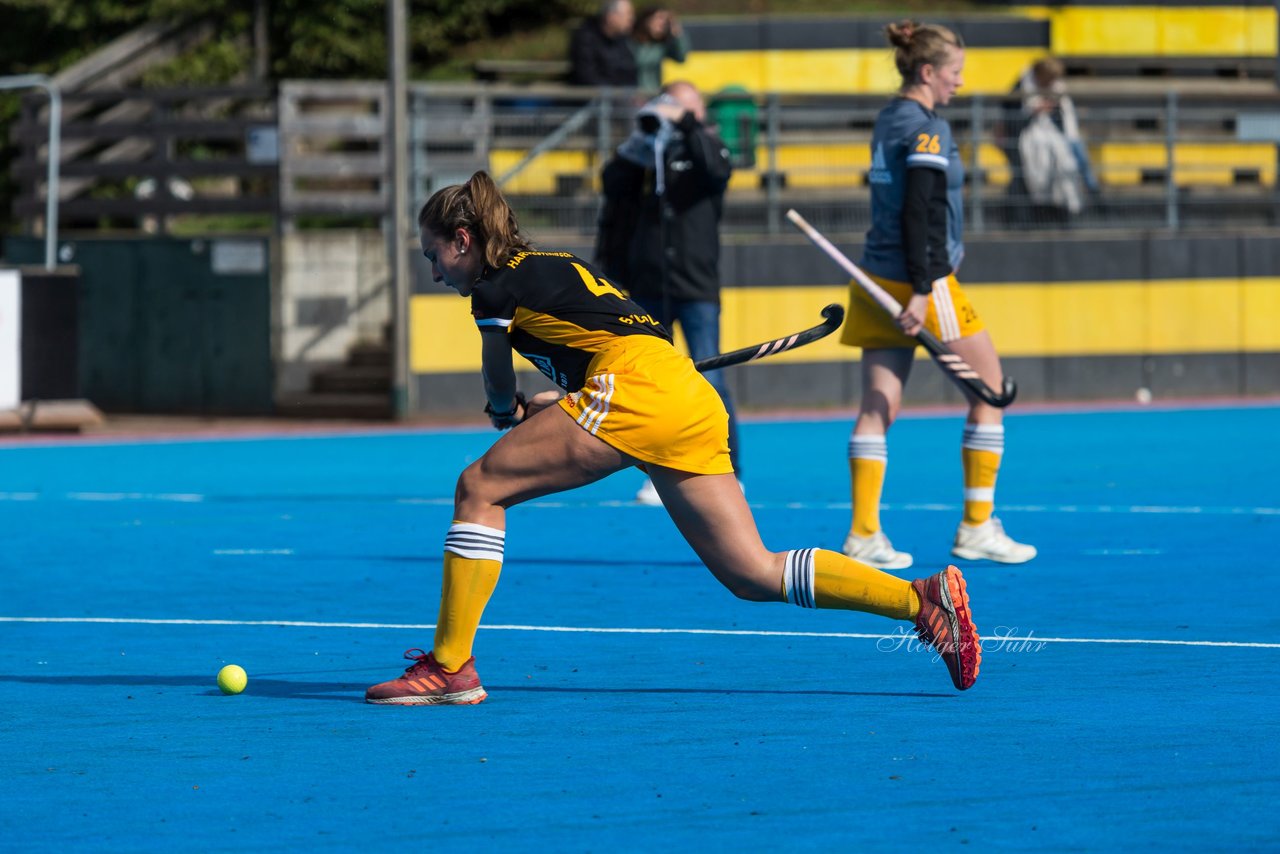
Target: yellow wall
1160	31
1032	319
988	70
845	164
1147	31
1120	163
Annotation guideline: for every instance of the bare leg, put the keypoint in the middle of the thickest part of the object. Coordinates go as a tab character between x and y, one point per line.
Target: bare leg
714	518
884	376
979	351
546	454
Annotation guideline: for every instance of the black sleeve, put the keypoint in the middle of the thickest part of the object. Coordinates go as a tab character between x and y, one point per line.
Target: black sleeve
584	57
708	154
618	220
924	228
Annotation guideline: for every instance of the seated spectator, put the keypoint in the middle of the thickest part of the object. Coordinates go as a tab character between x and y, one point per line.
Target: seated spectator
599	52
657	36
1049	170
1044	93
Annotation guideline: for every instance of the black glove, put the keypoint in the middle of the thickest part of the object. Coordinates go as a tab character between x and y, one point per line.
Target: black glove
507	420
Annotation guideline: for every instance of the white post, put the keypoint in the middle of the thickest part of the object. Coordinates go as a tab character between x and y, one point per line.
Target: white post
10	339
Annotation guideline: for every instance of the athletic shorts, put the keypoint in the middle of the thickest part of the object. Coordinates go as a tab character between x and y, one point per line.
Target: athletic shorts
867	325
645	398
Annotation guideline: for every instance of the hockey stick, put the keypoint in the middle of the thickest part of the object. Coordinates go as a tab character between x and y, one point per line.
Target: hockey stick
953	366
834	315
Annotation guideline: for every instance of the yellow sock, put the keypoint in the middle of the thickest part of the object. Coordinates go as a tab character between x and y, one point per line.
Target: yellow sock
817	578
981	452
868	459
472	563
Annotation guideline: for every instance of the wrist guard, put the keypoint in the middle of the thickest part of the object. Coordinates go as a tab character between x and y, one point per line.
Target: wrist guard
504	420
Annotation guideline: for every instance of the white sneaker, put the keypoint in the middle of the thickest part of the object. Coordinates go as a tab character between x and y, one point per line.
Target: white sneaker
648	495
988	541
875	550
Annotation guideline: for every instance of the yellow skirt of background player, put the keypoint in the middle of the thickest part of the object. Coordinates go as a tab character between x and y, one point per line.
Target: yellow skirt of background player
950	315
645	398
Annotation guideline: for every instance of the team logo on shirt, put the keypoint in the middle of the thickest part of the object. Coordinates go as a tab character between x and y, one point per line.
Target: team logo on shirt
879	173
542	363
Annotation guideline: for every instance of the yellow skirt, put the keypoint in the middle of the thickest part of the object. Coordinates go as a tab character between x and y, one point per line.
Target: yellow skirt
950	315
645	398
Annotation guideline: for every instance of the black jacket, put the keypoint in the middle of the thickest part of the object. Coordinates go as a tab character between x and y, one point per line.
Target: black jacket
597	60
630	239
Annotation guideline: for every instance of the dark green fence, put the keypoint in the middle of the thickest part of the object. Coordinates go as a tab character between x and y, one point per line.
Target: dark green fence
170	326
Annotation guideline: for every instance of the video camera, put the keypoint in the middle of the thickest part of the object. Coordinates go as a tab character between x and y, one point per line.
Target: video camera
652	120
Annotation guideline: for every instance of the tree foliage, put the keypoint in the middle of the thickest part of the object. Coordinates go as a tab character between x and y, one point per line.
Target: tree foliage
307	39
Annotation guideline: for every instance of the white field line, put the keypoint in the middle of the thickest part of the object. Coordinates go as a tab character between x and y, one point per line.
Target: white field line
254	552
1001	639
808	506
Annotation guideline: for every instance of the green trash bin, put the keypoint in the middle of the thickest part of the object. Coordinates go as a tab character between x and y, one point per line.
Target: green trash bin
733	110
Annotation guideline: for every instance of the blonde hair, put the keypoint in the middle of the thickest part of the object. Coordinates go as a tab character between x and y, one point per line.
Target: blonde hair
1047	71
917	45
479	207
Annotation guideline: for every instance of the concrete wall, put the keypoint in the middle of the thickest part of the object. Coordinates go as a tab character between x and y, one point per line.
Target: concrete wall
332	294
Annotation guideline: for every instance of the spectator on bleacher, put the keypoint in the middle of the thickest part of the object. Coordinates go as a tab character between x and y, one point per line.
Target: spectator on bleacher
600	52
1054	158
659	233
913	250
657	36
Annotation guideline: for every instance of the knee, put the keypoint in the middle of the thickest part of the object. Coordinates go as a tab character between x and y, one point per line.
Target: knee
752	589
877	420
470	485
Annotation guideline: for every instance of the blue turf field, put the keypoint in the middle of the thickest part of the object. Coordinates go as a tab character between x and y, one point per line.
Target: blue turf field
635	705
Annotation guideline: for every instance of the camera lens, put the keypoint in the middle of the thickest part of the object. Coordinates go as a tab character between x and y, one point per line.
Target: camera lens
648	123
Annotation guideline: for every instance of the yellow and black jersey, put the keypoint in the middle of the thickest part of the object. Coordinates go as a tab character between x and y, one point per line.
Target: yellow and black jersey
559	313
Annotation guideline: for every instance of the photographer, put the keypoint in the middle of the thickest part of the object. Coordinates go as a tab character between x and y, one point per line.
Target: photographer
657	36
659	234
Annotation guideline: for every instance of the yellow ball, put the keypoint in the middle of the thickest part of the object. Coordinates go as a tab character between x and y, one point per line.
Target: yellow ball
232	679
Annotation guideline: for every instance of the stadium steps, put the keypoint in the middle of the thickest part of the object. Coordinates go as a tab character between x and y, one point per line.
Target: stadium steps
359	388
330	405
353	379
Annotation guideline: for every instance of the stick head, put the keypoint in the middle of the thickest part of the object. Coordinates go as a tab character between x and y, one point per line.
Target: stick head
1008	392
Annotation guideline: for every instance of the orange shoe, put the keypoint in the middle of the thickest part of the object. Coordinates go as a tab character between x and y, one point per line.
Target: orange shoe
426	683
945	623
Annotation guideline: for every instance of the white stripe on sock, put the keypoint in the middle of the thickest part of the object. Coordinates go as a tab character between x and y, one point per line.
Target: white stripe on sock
869	448
475	542
984	437
797	578
980	493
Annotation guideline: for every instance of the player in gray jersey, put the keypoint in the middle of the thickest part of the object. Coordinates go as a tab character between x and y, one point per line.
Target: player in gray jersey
913	250
908	135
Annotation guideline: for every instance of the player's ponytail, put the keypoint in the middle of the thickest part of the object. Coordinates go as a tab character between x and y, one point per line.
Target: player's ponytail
479	207
916	45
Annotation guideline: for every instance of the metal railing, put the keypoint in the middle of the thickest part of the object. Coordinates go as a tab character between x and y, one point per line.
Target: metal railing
1164	160
144	155
52	155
